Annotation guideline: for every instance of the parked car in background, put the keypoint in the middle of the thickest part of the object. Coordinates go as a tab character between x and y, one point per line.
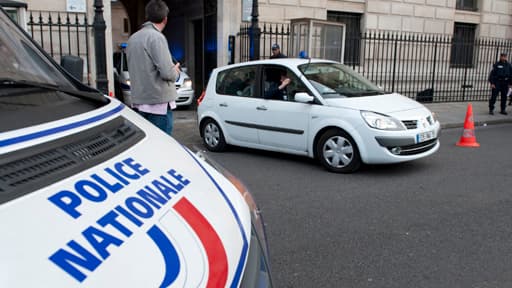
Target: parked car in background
122	81
93	195
327	112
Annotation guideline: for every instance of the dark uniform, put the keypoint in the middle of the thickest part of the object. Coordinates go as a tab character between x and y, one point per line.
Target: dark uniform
276	48
501	78
276	56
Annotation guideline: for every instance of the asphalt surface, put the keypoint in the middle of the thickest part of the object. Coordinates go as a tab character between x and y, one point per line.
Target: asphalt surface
443	221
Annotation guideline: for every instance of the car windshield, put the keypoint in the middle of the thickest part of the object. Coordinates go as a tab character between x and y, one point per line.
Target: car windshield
334	80
22	61
32	89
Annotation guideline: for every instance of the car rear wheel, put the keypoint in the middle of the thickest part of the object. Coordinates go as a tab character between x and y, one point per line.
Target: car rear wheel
213	138
338	152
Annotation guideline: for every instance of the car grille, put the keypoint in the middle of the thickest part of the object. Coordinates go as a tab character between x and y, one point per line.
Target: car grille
30	169
410	124
416	148
181	99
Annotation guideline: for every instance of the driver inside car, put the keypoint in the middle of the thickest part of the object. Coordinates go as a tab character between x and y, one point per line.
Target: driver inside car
277	89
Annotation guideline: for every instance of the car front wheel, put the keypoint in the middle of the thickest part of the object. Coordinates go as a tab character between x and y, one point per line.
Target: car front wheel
213	138
338	152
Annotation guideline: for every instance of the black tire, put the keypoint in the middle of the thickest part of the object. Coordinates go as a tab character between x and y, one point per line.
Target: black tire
213	138
338	152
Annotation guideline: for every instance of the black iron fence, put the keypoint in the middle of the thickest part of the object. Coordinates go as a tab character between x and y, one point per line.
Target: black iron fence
62	34
270	34
429	68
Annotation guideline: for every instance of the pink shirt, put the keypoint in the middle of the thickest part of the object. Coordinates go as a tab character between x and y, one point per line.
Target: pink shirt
159	109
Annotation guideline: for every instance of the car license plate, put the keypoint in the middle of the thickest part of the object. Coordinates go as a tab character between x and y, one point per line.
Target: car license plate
425	136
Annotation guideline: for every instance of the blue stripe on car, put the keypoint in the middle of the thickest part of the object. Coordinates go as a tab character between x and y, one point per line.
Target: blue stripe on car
55	130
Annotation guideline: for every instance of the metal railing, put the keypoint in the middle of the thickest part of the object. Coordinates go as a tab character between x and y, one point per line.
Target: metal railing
270	33
429	68
62	34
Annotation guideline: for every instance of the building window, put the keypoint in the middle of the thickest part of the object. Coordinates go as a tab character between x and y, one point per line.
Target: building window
463	45
468	5
352	23
126	26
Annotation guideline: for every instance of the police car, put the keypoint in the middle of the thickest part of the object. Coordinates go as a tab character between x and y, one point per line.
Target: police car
92	195
122	83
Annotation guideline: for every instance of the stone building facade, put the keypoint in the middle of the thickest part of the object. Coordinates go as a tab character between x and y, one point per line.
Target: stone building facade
492	17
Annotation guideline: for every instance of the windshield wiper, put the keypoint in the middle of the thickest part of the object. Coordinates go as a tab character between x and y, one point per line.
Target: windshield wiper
93	96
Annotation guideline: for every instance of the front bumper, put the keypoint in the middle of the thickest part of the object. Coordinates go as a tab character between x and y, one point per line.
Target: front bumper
185	97
406	146
399	146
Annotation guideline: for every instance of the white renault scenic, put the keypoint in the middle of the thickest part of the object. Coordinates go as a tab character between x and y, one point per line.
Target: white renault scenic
327	111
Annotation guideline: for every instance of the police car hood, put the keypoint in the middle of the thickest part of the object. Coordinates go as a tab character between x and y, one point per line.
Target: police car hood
385	104
154	215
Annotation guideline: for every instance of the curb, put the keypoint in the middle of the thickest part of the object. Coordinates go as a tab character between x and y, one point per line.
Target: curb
477	123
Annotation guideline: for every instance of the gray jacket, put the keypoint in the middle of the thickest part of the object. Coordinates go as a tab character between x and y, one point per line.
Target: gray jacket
152	73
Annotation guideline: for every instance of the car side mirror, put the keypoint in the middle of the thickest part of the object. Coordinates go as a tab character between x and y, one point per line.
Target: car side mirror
303	97
74	65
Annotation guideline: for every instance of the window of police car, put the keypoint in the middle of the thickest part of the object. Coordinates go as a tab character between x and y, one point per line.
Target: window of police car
30	83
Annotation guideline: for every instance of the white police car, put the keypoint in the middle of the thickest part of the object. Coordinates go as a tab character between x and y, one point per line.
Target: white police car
92	195
122	84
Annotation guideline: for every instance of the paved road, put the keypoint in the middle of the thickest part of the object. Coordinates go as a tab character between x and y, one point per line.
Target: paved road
444	221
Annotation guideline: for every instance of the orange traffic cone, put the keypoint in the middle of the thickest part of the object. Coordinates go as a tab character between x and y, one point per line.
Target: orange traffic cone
468	138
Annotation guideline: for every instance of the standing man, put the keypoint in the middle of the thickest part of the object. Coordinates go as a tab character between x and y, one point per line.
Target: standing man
500	79
152	72
276	52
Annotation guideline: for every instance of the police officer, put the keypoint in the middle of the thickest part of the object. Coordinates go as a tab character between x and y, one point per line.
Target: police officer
276	52
500	79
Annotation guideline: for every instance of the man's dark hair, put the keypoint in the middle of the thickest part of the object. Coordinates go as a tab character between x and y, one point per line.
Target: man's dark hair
156	11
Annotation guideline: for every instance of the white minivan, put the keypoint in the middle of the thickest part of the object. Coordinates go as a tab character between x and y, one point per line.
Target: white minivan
327	112
93	195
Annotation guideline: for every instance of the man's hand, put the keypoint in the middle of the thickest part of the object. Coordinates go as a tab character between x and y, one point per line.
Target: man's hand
177	66
493	86
284	83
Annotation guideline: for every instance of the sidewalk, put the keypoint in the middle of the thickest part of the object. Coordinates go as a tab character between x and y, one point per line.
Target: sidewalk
453	114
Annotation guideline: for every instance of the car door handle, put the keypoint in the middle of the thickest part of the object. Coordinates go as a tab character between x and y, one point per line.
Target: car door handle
223	104
261	108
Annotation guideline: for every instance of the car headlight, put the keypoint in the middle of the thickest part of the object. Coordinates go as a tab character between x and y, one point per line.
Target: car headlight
434	117
187	83
382	122
129	83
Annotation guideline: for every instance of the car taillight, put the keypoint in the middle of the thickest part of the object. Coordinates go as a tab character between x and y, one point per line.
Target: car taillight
201	97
